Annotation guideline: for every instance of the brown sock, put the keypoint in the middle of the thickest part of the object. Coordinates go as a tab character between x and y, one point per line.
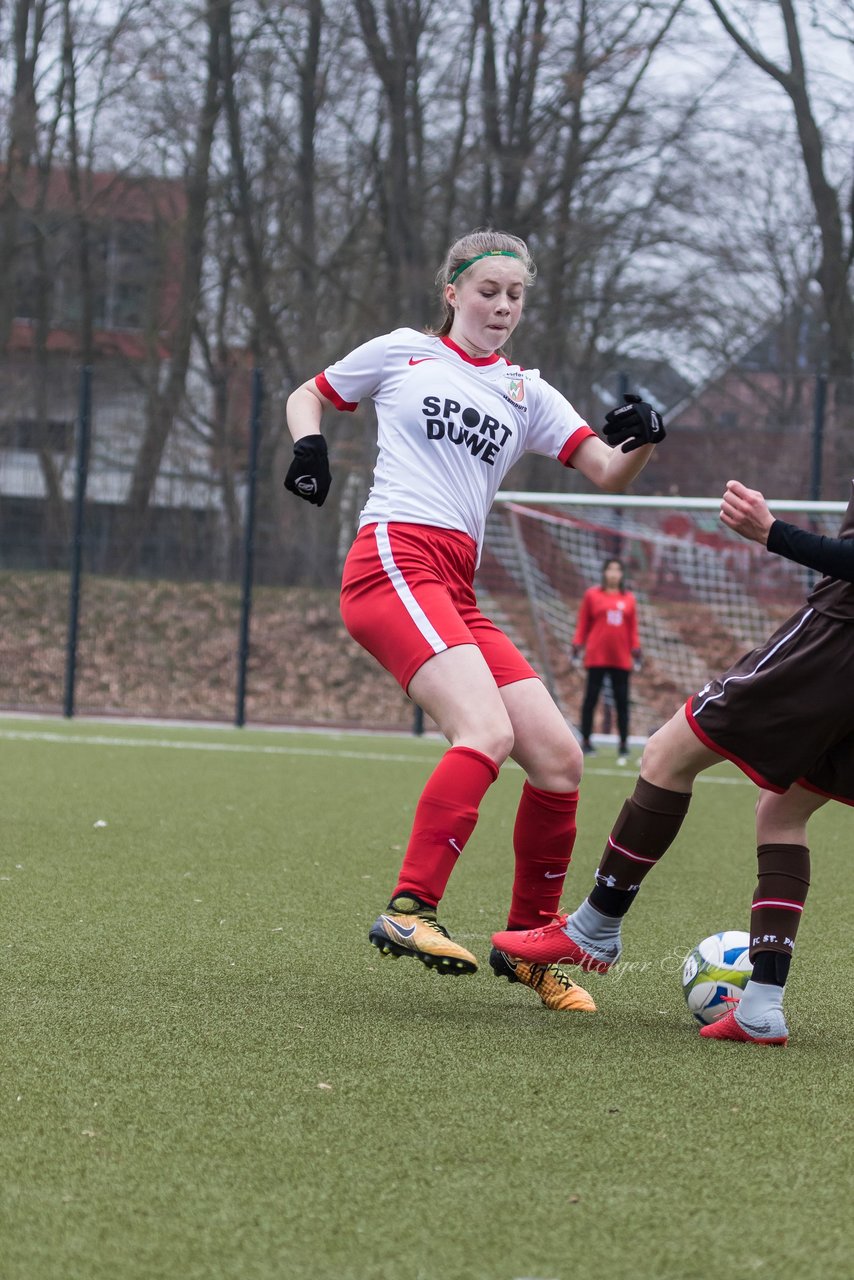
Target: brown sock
647	826
778	902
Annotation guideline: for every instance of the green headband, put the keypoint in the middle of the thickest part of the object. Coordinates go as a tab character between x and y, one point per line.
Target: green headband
490	253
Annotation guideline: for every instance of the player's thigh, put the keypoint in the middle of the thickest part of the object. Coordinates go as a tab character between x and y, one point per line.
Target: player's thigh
831	775
396	604
543	744
674	755
457	689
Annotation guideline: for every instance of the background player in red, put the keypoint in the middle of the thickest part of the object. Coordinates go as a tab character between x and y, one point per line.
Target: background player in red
453	414
607	631
784	713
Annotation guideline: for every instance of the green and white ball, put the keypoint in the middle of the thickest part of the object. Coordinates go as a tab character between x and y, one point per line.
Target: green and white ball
715	973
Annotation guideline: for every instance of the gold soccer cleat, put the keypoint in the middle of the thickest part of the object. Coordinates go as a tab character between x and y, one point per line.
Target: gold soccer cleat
404	934
552	985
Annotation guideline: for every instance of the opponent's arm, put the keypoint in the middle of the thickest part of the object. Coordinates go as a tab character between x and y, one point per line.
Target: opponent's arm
746	512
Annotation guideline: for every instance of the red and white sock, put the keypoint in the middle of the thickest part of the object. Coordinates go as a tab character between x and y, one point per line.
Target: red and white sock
543	838
445	817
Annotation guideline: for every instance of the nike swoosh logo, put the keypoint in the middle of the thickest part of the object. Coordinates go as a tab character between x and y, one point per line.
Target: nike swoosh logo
403	931
452	842
554	875
420	359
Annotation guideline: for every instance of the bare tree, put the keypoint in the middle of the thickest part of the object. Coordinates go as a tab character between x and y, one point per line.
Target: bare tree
512	117
837	244
394	39
29	20
163	406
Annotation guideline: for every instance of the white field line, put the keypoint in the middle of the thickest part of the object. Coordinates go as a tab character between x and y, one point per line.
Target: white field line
245	748
241	748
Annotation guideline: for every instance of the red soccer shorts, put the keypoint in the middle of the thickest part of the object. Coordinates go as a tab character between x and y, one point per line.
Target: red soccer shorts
407	595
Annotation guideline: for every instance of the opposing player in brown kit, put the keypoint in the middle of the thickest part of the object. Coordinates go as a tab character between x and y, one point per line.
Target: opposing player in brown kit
784	713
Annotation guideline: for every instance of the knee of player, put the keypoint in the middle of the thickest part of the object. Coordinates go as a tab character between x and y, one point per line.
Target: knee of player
488	732
494	737
656	756
567	764
501	741
552	762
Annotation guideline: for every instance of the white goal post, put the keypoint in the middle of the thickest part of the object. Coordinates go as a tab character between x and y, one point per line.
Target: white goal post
705	596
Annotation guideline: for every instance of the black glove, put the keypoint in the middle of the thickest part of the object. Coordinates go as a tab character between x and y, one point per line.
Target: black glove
309	476
635	422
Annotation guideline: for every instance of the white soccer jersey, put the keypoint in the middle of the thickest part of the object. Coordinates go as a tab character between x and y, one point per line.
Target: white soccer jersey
449	426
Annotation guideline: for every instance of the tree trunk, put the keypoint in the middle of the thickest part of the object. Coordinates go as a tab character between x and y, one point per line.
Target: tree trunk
834	269
396	63
27	37
164	405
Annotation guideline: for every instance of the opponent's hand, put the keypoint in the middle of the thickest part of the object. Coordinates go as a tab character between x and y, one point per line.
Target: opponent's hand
746	512
635	423
309	476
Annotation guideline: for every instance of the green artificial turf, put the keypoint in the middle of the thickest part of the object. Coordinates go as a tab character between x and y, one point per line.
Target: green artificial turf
207	1072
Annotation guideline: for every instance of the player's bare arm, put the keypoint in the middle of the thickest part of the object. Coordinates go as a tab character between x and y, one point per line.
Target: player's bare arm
609	469
632	430
304	410
746	512
308	476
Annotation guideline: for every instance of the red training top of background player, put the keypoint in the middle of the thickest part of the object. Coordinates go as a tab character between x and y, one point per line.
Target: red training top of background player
608	628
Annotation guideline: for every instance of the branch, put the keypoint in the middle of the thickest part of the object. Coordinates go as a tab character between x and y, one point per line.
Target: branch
770	68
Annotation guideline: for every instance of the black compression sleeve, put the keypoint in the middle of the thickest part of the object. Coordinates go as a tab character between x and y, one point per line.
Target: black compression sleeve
833	556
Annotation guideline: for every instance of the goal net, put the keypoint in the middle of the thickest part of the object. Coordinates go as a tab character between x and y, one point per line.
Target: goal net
704	595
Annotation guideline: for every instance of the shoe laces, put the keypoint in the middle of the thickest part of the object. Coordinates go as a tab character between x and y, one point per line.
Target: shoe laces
433	923
555	972
553	920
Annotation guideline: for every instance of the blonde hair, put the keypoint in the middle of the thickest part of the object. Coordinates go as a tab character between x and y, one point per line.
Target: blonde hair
466	250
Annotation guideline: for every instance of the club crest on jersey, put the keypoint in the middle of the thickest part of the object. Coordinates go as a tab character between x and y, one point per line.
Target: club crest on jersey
515	388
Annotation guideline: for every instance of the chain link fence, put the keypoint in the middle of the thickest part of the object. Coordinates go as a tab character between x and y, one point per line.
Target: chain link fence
217	599
187	611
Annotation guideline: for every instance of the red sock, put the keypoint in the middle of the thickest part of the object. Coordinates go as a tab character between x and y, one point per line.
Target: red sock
542	840
444	819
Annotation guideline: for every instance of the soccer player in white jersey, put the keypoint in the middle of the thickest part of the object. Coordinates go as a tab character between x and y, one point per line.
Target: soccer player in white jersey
453	415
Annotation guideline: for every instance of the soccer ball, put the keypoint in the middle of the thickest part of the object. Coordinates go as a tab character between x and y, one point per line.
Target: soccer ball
715	973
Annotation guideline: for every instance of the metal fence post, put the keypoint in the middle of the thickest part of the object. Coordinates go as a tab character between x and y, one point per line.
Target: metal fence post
81	473
249	543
